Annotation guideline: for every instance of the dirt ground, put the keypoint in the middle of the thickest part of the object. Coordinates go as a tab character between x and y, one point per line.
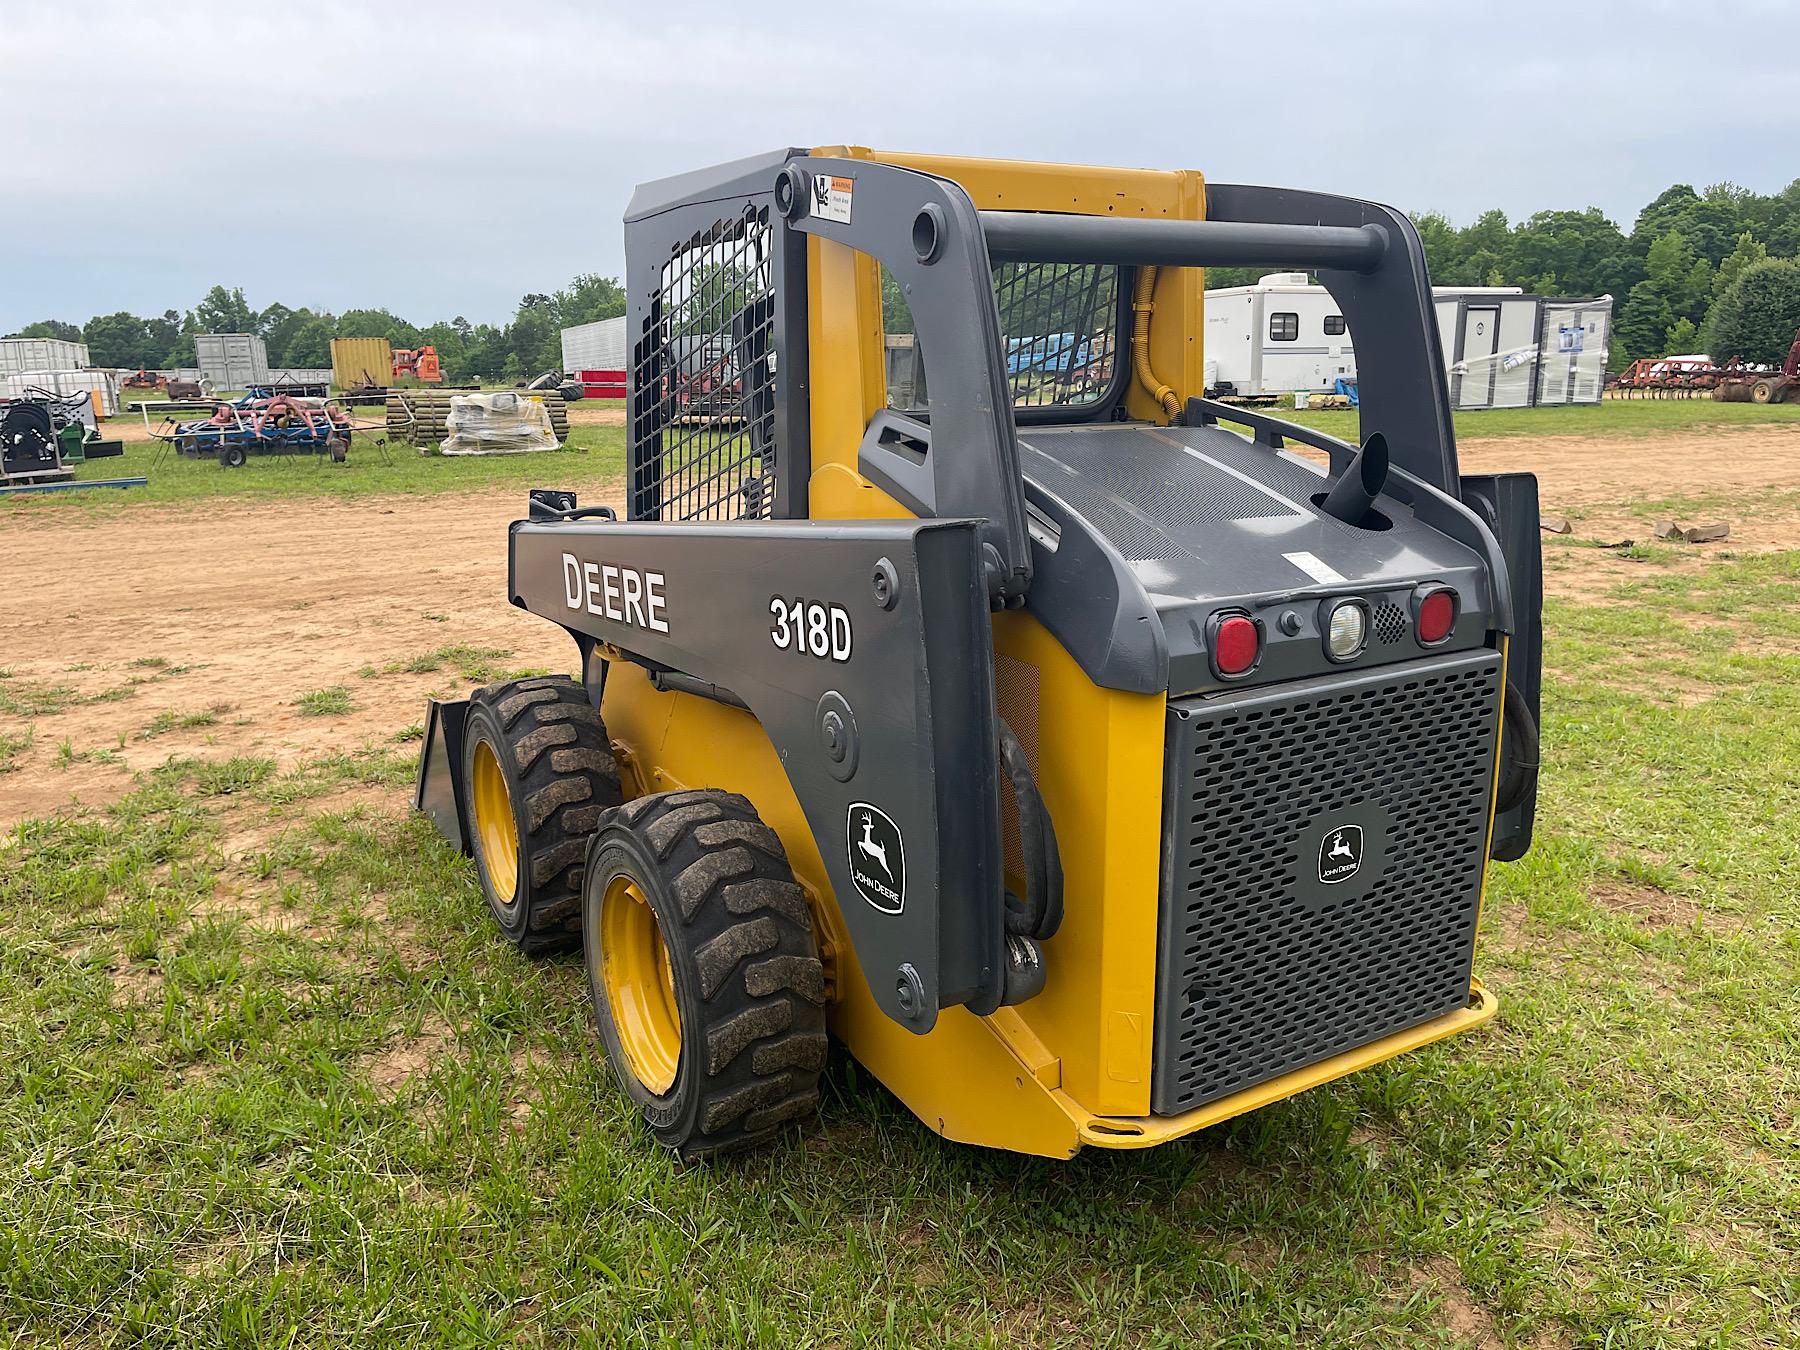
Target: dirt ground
253	606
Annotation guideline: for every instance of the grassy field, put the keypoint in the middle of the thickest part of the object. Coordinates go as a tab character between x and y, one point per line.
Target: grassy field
593	455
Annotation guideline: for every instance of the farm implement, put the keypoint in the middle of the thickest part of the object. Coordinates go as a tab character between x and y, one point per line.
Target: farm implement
280	424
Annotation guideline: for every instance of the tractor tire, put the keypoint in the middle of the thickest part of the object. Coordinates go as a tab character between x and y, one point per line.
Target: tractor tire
233	456
1763	391
708	990
538	774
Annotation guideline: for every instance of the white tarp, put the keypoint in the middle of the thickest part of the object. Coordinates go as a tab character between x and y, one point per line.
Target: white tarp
497	424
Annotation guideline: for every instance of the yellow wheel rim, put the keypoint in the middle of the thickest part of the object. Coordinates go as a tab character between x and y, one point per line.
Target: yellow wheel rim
640	985
494	824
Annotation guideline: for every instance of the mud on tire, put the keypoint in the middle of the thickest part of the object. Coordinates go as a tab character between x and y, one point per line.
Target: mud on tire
747	979
561	777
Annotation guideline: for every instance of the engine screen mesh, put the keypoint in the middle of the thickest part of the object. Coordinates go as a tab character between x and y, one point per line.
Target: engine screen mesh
1261	969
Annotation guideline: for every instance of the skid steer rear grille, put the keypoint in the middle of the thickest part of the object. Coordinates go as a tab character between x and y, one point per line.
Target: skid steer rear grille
1324	848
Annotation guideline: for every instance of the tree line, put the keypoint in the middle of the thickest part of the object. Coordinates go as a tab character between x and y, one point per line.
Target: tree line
301	338
1713	271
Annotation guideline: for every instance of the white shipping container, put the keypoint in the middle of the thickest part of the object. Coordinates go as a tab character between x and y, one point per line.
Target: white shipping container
18	355
232	360
594	346
1572	341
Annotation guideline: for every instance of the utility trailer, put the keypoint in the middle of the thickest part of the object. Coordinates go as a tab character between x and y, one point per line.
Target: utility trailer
1091	765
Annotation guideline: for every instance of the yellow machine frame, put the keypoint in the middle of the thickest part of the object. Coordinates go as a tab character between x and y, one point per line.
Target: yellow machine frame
1071	1066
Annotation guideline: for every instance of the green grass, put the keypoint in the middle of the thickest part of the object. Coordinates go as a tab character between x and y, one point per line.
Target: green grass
1612	417
592	461
298	1091
333	701
15	743
170	720
478	664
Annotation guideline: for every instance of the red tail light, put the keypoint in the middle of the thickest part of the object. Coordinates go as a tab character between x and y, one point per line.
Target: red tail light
1436	617
1237	643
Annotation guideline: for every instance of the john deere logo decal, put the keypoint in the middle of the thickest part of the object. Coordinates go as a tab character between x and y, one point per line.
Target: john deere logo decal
1340	854
877	857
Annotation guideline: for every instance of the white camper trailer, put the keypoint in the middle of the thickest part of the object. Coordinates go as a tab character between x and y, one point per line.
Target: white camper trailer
1283	334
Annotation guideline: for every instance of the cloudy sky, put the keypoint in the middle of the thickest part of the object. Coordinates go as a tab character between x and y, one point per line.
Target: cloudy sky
443	158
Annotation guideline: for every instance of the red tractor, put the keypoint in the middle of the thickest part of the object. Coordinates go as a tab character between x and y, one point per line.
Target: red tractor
1740	384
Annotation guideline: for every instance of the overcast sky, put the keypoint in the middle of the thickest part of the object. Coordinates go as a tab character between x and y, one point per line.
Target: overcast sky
442	158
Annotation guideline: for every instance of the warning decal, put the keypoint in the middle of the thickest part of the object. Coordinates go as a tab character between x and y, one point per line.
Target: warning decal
831	197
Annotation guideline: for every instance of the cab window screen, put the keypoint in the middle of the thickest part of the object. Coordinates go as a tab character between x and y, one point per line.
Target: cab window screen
1057	331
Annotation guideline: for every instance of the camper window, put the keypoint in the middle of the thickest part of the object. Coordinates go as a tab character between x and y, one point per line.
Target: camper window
1284	326
1334	324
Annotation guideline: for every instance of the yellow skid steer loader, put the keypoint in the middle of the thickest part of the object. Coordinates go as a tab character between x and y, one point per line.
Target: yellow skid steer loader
1094	760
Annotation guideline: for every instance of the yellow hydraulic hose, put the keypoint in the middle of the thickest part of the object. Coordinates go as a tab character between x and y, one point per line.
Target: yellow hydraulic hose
1143	307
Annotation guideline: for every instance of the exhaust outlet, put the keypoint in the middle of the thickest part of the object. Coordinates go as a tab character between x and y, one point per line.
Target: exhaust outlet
1356	489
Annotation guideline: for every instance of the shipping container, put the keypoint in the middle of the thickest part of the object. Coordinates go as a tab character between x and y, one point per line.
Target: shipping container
232	360
594	346
360	363
101	385
21	354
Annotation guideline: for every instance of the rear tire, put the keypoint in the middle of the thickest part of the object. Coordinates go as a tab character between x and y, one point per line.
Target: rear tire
538	773
713	1010
1763	391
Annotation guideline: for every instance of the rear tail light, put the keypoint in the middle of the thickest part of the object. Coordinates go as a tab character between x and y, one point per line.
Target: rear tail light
1236	645
1434	614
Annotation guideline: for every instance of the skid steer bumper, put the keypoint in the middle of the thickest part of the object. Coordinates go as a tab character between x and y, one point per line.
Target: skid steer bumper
440	792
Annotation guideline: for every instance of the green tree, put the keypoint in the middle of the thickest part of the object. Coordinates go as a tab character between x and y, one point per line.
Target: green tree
308	345
1745	253
225	311
50	328
377	323
588	299
1682	338
1757	317
121	340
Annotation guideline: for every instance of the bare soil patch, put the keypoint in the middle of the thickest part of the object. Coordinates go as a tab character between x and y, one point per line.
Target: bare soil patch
252	605
585	414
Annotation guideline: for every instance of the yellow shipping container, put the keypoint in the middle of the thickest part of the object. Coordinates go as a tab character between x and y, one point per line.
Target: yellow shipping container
357	362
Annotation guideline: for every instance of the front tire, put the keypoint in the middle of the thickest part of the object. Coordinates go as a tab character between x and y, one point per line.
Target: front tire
538	773
708	991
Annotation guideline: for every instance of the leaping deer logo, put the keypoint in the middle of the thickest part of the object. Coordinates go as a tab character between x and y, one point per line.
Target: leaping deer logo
1340	847
868	845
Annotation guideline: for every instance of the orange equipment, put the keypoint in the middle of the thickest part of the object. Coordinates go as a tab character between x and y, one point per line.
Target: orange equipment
419	362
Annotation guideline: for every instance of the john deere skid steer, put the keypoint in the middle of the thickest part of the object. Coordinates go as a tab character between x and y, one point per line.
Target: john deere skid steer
1095	761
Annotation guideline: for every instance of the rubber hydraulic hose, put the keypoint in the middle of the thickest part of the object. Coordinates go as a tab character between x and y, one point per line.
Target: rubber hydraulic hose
1519	751
1039	914
1143	306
